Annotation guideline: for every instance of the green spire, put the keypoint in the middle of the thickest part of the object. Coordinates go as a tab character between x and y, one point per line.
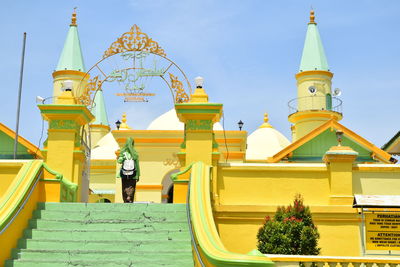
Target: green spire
313	57
71	56
99	109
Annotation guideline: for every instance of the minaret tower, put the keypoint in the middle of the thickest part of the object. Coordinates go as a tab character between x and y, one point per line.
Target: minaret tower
314	103
100	127
70	66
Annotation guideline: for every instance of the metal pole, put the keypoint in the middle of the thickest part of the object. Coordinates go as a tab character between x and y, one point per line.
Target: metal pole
19	95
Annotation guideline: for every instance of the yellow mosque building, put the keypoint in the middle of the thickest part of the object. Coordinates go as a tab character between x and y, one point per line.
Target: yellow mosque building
204	191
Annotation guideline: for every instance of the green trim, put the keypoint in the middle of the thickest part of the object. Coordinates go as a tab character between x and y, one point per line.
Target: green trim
62	105
63	124
200	111
316	148
25	168
199	125
198	104
68	190
181	182
174	176
78	109
53	172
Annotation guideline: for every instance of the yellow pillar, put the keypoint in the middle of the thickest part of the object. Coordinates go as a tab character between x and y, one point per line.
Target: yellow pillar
340	161
63	149
199	143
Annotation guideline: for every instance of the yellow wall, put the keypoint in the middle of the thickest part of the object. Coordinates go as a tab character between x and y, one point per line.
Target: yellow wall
246	193
8	171
9	238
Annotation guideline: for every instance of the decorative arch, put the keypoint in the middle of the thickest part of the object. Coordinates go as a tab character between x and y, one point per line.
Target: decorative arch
135	41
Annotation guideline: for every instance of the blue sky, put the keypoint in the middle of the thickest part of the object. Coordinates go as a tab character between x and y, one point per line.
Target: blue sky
247	51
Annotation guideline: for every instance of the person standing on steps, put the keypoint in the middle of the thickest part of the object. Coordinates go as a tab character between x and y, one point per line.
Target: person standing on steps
130	171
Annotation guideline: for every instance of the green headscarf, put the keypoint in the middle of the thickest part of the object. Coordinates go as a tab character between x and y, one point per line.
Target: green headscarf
128	148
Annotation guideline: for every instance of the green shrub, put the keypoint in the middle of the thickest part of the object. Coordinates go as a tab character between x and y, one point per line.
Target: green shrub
291	231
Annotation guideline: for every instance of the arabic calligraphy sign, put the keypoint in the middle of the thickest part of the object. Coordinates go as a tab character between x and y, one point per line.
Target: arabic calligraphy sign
382	231
131	78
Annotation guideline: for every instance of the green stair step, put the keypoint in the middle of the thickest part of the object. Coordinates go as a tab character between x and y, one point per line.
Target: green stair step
113	245
106	224
27	254
111	207
107	235
96	215
102	263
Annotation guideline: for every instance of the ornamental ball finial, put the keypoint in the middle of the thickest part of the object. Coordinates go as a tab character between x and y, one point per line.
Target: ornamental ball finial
266	119
266	123
312	17
73	19
124	117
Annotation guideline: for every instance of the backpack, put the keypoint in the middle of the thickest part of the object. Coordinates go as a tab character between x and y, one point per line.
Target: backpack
128	166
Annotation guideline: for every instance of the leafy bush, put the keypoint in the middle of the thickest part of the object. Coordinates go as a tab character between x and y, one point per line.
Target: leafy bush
291	231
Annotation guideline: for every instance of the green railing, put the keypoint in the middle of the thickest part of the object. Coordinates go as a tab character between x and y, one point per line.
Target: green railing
68	190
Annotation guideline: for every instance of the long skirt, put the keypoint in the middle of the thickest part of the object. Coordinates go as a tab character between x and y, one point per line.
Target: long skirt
128	190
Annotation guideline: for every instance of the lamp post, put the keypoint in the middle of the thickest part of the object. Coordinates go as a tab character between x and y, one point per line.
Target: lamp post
118	124
339	137
240	123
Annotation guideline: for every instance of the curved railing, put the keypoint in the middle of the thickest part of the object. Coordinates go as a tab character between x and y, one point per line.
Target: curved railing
308	103
16	206
211	249
68	190
15	197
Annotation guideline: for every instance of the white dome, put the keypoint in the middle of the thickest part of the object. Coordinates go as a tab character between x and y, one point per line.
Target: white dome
105	148
265	142
169	121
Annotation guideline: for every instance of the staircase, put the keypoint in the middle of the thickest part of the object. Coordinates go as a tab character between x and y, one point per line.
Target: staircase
105	234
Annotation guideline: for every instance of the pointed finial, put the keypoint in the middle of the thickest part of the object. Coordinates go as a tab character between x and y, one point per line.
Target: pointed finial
266	123
124	125
73	19
266	119
312	17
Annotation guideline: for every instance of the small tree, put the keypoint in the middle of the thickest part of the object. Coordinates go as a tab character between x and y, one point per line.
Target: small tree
291	231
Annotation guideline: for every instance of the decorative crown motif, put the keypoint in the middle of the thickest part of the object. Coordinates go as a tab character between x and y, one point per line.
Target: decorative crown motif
92	86
134	40
180	94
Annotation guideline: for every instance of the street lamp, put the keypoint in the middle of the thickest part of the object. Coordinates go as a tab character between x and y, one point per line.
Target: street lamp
118	124
240	123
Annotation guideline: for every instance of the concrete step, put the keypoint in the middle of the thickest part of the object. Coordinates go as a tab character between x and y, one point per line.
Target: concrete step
121	215
127	207
102	263
109	245
163	235
62	255
106	224
105	234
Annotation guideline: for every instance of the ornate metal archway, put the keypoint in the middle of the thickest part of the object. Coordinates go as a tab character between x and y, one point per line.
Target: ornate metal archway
135	45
